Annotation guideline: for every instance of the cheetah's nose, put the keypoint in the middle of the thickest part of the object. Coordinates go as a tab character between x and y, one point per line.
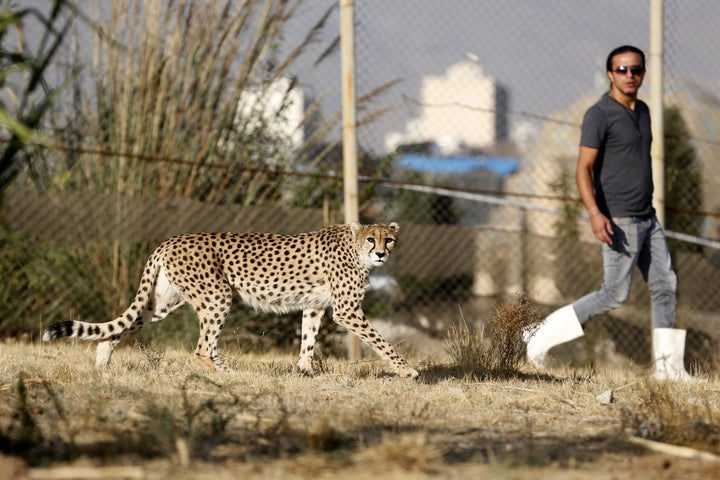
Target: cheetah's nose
380	255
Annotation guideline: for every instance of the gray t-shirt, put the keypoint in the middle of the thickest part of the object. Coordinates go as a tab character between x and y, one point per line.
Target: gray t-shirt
622	174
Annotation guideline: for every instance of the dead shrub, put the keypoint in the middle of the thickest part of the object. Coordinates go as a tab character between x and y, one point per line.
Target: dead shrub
501	352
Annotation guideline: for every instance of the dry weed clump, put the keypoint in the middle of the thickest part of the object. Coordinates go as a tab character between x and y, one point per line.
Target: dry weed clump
506	328
411	452
501	352
662	413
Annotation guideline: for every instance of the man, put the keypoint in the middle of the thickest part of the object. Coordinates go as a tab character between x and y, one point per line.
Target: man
614	178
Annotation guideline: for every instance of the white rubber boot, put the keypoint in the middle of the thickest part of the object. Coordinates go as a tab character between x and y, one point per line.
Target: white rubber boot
559	327
668	353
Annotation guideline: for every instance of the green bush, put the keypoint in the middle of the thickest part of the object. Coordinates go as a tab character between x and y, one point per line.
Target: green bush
454	289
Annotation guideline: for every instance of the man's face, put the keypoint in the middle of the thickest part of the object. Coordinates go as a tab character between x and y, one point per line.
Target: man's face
627	73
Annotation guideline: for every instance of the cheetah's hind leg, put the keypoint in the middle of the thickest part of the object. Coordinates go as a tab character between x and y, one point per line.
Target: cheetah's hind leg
104	352
166	299
212	313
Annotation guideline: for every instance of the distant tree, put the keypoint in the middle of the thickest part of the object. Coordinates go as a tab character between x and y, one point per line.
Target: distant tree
425	208
683	194
566	225
443	211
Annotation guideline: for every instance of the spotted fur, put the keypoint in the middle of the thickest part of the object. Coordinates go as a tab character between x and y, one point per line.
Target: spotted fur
270	272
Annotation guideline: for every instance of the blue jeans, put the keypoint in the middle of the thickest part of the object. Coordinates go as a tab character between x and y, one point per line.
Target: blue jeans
636	242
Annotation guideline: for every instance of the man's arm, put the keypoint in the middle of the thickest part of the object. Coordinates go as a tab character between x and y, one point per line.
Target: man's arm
601	225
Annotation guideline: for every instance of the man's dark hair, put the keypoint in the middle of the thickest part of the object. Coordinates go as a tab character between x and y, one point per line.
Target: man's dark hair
624	49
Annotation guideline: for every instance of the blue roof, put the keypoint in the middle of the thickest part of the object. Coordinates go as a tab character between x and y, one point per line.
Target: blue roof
501	166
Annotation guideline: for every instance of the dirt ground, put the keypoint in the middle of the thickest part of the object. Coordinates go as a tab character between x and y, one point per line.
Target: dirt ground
157	413
608	467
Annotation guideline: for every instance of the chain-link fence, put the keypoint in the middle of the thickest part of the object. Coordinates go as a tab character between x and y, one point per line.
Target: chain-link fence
468	125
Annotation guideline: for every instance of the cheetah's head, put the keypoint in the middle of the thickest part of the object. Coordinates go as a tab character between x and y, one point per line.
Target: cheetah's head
374	243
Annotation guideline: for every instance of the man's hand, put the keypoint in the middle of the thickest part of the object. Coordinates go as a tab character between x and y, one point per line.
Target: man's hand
602	228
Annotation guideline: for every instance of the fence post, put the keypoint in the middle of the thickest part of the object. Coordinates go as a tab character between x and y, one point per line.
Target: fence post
656	105
349	135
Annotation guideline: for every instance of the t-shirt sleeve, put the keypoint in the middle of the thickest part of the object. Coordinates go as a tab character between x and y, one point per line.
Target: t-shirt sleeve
594	127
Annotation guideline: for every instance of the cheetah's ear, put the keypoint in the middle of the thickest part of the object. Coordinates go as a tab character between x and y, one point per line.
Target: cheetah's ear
355	228
394	226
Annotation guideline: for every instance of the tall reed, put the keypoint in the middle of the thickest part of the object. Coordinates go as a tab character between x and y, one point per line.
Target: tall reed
169	80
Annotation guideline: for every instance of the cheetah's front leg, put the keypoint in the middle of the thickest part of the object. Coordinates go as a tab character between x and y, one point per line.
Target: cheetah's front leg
310	326
356	322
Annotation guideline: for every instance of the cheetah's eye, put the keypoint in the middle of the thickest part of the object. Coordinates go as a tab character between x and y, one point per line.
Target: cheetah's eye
371	240
389	241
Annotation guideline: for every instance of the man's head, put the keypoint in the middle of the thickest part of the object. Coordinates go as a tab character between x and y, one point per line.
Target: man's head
621	50
625	69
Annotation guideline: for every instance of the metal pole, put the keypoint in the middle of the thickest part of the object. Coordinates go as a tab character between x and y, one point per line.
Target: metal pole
656	104
349	135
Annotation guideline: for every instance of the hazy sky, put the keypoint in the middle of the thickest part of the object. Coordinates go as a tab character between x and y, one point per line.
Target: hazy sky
547	53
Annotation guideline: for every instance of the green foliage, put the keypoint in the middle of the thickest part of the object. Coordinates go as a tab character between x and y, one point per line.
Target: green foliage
425	208
566	226
325	188
378	304
683	194
46	282
443	210
23	76
453	289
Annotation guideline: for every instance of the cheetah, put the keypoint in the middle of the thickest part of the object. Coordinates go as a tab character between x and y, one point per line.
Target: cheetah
270	272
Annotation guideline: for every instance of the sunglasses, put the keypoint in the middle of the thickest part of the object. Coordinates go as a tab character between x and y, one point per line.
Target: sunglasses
634	69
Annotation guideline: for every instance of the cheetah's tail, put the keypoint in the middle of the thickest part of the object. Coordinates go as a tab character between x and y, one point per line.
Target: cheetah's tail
74	328
114	328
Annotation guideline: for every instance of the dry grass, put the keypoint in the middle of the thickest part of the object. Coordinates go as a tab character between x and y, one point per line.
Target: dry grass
158	411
